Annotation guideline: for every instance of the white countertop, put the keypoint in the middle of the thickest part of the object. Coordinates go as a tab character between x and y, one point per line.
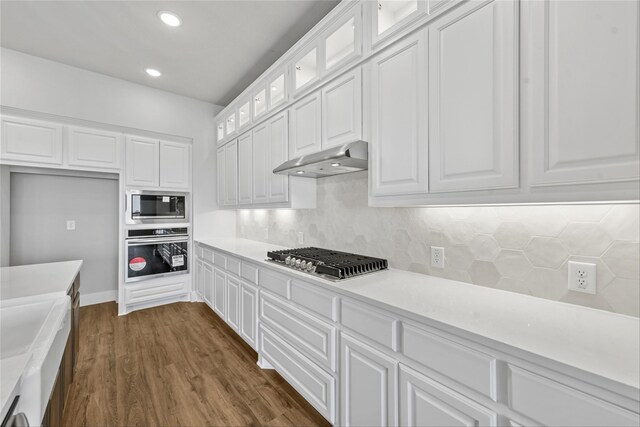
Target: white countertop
11	369
604	343
38	279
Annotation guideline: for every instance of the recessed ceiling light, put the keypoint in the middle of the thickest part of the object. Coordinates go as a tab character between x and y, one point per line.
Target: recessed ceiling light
335	165
170	18
153	72
300	172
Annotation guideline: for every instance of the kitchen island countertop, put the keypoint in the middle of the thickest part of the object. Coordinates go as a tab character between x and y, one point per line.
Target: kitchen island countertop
38	279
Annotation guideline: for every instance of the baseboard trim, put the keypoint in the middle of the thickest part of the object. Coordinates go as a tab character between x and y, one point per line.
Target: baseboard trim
98	297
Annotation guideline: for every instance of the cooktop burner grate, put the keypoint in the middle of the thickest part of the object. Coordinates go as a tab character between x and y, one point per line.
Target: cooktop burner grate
336	264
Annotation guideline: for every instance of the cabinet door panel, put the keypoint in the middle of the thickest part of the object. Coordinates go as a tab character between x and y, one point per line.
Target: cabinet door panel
261	170
199	282
231	173
31	141
245	168
580	88
367	378
473	104
94	148
208	278
248	313
175	162
219	288
399	150
306	116
220	175
342	110
143	162
425	402
278	149
233	295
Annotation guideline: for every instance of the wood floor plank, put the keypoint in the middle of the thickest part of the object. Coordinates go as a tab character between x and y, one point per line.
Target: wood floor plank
175	365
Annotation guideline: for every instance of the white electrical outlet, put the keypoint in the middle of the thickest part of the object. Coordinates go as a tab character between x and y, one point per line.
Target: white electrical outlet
582	277
437	257
71	225
300	238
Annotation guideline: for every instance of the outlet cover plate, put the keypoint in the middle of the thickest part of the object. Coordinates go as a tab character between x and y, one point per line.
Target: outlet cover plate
582	277
437	257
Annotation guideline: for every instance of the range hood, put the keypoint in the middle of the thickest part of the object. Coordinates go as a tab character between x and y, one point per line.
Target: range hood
347	158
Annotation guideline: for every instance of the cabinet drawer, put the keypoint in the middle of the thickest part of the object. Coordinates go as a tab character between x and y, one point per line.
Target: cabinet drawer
249	272
551	403
220	260
314	338
469	367
274	282
136	294
317	386
370	323
314	299
233	265
207	255
199	251
425	402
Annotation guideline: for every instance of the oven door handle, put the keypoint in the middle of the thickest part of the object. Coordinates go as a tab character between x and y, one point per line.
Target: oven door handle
153	241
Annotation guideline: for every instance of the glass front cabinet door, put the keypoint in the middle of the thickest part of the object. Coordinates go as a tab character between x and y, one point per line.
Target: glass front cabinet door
277	90
390	15
305	68
343	40
244	115
259	103
220	131
230	123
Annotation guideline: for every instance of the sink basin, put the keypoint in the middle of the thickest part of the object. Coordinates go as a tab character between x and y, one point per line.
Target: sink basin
38	326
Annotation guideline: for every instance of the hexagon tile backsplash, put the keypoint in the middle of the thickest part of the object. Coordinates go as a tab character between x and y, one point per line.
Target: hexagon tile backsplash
516	248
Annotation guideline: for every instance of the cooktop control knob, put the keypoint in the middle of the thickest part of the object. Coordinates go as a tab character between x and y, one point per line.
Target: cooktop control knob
310	267
303	265
298	262
287	260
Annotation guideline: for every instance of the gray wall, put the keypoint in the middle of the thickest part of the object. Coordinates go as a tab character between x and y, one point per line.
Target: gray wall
40	208
5	202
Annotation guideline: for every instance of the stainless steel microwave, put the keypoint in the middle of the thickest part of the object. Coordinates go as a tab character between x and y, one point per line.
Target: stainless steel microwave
153	207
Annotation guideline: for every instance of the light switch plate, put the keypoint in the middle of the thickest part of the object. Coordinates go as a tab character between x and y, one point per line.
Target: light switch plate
71	225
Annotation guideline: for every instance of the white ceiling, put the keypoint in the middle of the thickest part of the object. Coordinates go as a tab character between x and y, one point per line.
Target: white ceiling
219	50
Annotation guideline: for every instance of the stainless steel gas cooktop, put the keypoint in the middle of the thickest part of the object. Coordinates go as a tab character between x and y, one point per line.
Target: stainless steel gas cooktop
326	263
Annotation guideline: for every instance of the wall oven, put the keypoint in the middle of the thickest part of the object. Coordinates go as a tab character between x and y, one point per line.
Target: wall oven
149	207
156	252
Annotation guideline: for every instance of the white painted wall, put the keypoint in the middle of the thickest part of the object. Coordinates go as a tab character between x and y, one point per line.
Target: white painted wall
35	84
5	206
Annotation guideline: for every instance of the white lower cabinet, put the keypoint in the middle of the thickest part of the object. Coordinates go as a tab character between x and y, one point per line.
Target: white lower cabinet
233	299
425	402
199	279
207	284
367	385
219	290
312	382
249	313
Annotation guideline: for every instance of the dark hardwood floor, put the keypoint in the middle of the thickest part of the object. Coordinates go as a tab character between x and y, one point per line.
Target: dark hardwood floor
173	365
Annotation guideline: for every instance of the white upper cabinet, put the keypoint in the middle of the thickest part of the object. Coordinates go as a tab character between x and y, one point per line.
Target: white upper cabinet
306	68
277	90
389	16
92	148
143	162
398	149
473	102
220	132
220	175
343	40
231	173
305	132
230	123
245	169
342	110
259	103
278	153
175	165
580	80
31	141
244	115
261	169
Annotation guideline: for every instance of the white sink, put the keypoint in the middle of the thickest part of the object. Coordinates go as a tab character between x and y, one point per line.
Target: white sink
39	327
